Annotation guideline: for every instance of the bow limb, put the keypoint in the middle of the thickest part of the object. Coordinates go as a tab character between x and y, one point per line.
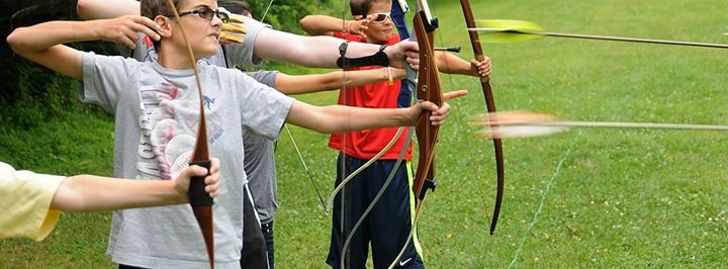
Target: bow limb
200	200
428	89
490	104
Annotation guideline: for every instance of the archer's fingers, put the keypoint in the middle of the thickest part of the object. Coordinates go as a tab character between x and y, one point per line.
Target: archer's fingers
453	94
214	166
482	68
428	106
146	26
195	170
128	39
212	185
413	60
438	117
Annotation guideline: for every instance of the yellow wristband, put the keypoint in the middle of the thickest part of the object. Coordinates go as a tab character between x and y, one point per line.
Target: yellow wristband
389	76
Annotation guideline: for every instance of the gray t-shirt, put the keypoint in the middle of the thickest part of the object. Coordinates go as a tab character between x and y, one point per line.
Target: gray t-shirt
260	162
156	115
260	159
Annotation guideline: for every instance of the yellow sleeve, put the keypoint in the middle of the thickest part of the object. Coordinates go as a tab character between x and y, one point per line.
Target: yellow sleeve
25	198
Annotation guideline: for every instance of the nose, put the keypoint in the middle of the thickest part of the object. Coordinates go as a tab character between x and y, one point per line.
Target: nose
216	21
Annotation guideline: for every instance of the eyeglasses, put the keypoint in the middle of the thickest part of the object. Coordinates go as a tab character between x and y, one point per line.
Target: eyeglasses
376	17
207	13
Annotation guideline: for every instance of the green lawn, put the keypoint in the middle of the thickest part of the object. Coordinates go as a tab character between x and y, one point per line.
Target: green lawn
582	199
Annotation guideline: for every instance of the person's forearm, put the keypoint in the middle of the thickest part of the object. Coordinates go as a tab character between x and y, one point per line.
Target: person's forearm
451	64
94	193
106	9
322	25
40	37
302	84
346	118
338	119
285	47
364	77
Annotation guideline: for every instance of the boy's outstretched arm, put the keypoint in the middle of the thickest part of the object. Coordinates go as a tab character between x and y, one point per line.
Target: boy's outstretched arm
327	25
43	43
322	25
94	193
313	51
300	84
338	119
323	51
451	64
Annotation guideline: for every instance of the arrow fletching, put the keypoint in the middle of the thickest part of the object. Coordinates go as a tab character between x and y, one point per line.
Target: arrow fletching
516	124
504	31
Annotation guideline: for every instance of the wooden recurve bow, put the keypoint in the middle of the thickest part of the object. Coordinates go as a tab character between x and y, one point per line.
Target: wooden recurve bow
200	200
490	105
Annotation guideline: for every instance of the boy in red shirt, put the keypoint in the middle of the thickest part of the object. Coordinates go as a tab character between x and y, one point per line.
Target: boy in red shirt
387	226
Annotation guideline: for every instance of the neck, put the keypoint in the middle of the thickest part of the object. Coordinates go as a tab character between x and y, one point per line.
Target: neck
174	58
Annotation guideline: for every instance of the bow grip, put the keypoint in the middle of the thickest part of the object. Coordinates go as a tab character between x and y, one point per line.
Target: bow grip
196	193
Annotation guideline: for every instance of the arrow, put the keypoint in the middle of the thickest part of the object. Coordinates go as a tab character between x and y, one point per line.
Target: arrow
500	31
455	49
527	124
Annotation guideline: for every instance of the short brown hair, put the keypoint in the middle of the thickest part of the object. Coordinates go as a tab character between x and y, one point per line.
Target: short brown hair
361	7
153	8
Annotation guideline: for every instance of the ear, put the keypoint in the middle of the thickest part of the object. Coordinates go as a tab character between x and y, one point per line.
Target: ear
165	26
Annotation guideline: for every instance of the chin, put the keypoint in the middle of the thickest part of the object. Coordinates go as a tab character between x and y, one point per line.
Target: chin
207	52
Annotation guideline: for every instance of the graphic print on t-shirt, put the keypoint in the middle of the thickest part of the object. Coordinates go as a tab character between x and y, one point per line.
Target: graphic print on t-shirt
169	122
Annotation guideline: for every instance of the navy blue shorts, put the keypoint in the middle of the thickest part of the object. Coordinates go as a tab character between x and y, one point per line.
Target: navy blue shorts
386	228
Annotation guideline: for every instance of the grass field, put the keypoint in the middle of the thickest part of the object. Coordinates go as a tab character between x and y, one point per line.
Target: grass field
582	199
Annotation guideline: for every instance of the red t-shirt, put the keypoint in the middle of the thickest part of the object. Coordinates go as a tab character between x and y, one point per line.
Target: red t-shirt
365	144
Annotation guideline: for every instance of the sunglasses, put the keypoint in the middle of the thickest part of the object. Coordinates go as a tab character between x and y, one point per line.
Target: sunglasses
376	17
207	13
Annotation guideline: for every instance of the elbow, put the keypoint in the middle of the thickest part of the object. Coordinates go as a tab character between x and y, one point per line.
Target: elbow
82	9
14	40
305	23
68	197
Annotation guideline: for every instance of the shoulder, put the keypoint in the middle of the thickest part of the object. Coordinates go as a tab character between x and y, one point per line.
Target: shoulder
393	40
103	65
349	37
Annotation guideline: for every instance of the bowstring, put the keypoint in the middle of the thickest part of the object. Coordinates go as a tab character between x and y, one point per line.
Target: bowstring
295	145
541	203
266	10
342	157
